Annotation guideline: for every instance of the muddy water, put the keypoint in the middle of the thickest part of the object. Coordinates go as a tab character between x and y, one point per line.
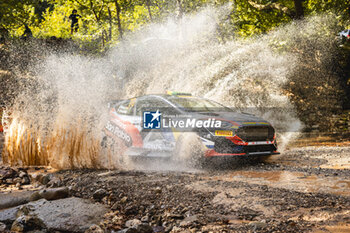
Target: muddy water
297	181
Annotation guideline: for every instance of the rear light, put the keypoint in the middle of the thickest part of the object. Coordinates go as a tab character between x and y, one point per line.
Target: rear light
348	36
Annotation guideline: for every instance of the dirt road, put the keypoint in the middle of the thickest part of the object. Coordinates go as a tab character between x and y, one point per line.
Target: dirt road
302	190
305	189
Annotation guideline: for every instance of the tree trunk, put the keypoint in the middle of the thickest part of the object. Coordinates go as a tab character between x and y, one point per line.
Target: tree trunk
299	11
179	9
103	38
149	9
117	6
110	24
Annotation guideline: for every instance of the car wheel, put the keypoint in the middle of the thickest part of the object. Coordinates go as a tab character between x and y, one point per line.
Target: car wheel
189	150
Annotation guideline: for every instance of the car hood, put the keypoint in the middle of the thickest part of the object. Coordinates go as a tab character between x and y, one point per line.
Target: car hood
236	118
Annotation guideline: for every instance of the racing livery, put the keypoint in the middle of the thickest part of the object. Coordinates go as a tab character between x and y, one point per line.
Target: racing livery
220	130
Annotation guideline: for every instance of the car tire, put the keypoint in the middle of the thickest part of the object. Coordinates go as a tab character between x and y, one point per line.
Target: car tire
190	150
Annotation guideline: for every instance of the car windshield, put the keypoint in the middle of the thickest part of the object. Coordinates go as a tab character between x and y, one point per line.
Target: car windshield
193	104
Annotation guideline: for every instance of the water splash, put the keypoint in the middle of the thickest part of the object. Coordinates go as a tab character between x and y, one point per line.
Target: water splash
67	111
244	74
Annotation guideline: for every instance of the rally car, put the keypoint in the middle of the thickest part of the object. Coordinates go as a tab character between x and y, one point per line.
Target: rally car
178	124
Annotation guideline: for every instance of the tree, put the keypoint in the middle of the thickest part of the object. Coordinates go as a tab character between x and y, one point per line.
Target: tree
299	10
259	16
148	4
107	21
16	14
297	13
118	10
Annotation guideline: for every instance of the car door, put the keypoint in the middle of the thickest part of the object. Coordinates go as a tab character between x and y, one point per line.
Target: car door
124	125
154	139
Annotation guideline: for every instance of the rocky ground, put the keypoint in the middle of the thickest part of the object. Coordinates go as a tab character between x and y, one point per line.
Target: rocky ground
304	189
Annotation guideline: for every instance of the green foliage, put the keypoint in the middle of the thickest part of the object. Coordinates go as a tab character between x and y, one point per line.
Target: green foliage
100	25
249	20
55	23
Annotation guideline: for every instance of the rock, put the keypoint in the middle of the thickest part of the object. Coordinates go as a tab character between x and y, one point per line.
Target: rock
36	177
17	180
112	198
8	216
117	220
22	174
131	210
42	178
24	210
9	181
35	196
94	229
18	224
158	229
128	230
168	228
27	223
54	193
115	206
54	182
257	225
145	218
46	179
123	200
99	194
174	216
188	221
33	222
158	190
138	227
132	223
7	173
67	215
8	200
25	180
2	227
144	228
177	229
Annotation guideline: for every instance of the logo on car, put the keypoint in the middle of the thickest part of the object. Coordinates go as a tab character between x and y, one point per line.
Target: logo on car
152	120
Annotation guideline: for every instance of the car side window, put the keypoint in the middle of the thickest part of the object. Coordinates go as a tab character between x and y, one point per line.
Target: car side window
127	107
143	105
153	104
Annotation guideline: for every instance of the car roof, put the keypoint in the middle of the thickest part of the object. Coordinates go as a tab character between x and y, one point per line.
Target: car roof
166	96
